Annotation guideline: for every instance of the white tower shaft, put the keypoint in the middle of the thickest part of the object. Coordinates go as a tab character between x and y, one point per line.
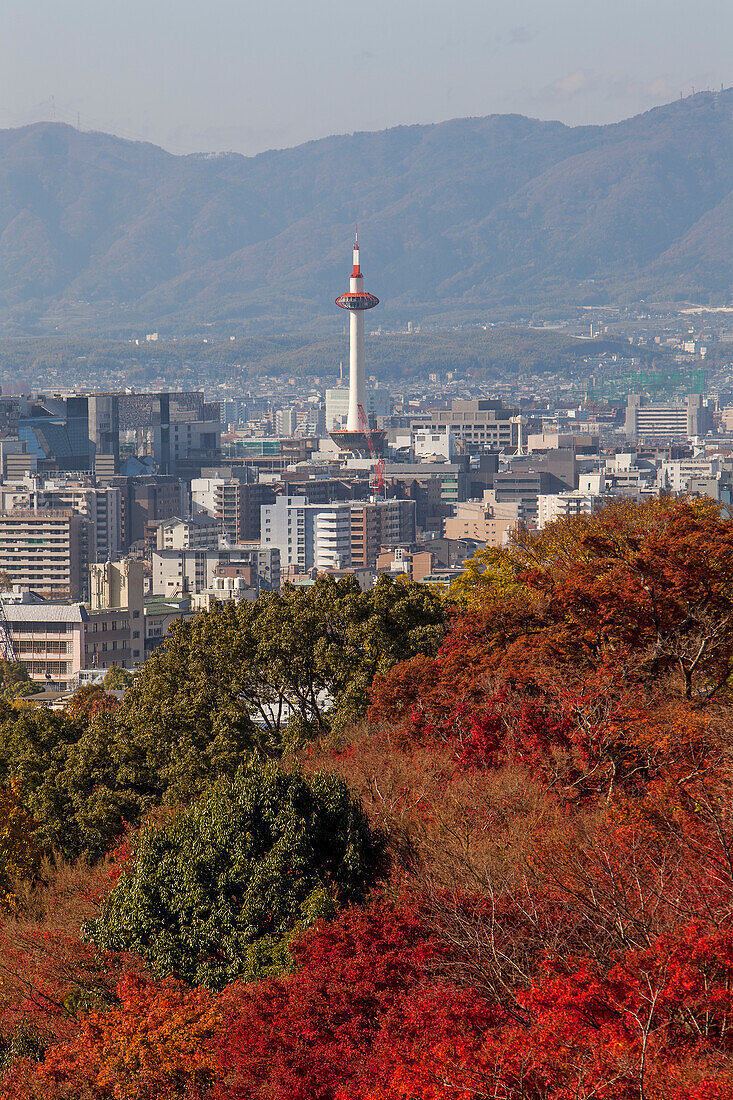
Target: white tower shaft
357	375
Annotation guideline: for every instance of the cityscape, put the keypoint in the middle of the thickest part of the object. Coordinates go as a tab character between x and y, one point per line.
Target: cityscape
366	551
124	511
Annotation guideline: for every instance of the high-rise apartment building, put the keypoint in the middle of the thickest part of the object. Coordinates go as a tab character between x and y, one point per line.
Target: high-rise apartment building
44	550
378	523
101	506
286	421
234	503
308	535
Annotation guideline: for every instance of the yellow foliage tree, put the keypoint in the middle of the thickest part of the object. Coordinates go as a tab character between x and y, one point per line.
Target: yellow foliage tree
18	854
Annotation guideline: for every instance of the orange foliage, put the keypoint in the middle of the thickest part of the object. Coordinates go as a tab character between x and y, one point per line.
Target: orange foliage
156	1044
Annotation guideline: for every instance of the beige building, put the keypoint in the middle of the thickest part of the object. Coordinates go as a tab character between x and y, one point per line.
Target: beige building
45	550
485	520
199	533
115	632
416	564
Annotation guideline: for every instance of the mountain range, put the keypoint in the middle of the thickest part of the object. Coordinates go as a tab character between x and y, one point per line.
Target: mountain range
461	219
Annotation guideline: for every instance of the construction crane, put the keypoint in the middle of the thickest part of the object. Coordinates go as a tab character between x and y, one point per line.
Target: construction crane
377	481
7	649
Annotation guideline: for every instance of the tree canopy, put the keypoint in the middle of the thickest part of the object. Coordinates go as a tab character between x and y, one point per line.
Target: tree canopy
213	891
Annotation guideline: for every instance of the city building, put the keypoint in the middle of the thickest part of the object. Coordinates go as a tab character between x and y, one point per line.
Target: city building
308	535
48	639
102	506
553	506
46	550
667	423
378	523
286	421
200	532
475	423
115	627
234	503
486	521
182	573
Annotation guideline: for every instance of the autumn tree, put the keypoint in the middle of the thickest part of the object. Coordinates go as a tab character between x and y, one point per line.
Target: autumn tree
237	676
311	1035
19	855
644	589
153	1043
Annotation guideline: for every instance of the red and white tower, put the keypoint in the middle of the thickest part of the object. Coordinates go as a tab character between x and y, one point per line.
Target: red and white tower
358	435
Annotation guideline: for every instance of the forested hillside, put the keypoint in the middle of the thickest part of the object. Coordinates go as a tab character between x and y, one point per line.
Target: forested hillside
458	219
356	846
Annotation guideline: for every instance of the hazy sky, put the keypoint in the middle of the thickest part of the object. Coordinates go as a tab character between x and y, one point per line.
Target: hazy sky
236	75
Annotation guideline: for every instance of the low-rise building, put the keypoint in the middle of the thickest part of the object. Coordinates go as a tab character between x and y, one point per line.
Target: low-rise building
185	573
487	521
200	532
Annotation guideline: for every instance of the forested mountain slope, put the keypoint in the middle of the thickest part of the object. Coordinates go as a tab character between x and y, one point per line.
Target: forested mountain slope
461	217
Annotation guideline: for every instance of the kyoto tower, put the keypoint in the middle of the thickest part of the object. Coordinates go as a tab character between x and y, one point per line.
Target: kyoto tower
358	436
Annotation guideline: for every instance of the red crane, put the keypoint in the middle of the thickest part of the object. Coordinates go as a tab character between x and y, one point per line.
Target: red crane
378	475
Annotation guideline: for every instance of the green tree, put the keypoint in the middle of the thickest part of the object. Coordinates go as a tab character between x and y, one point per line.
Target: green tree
234	678
15	683
117	678
215	891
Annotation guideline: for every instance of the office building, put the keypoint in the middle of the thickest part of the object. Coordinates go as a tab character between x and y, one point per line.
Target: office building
476	423
667	423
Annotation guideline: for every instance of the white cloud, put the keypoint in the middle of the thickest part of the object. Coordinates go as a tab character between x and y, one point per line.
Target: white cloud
572	84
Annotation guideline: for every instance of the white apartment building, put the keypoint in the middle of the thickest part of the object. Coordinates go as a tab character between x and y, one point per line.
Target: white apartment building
308	535
286	421
177	573
624	472
676	476
430	444
552	506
